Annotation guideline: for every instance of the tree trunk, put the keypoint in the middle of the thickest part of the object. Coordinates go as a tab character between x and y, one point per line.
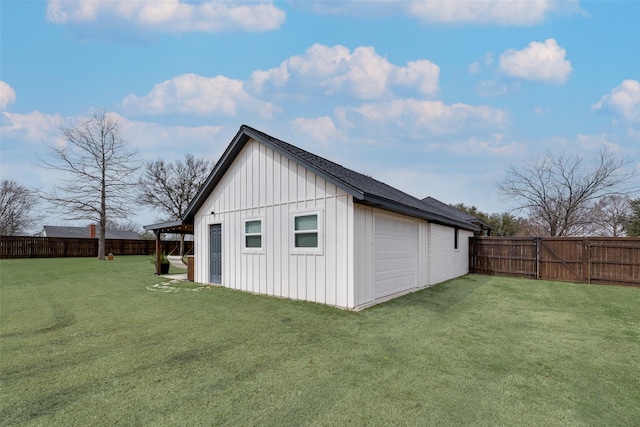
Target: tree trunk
101	239
182	245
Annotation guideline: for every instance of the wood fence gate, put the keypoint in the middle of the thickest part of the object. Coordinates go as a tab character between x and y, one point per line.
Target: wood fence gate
604	260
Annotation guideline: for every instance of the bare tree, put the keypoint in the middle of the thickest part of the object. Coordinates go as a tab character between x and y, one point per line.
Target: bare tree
97	168
529	228
170	187
17	206
609	215
123	226
558	193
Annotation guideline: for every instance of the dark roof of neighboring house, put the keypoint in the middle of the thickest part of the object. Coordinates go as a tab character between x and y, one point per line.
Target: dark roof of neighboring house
364	189
84	233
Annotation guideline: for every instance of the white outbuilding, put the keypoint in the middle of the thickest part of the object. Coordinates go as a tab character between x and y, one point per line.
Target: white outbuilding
277	220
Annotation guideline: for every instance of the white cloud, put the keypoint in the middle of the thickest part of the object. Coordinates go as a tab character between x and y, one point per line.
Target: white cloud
596	142
543	62
623	100
7	95
31	127
332	70
506	12
321	129
319	61
170	15
365	74
480	146
418	117
156	140
275	78
423	74
201	96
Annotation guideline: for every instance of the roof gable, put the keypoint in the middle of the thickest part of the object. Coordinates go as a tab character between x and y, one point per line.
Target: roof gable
364	189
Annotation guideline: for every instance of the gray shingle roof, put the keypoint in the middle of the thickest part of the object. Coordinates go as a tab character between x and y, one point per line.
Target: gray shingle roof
364	189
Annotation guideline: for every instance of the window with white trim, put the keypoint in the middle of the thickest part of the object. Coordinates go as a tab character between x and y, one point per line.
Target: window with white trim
307	232
253	234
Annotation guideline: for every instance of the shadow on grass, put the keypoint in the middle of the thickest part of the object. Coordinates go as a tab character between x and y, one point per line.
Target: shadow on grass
61	319
46	405
440	297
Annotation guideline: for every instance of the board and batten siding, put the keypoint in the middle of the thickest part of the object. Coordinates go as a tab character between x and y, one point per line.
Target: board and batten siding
364	245
263	184
445	261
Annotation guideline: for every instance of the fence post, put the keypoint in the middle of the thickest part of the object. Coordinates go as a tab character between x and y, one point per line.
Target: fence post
586	256
538	243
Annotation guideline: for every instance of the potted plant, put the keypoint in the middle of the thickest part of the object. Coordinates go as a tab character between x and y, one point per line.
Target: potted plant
164	262
110	256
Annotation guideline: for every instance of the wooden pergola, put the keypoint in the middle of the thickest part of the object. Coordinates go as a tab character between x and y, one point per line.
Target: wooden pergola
173	227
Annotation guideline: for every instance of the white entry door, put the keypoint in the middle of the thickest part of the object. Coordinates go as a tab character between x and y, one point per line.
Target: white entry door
396	246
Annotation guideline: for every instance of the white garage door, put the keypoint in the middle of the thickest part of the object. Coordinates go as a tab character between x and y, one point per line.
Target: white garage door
395	255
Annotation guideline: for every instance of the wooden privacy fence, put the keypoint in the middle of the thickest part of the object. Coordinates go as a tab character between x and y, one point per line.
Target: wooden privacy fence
604	260
55	247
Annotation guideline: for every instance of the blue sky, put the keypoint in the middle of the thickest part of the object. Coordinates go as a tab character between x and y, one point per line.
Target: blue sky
437	98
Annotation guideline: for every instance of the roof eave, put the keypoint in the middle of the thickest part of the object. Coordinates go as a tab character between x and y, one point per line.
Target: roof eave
415	212
178	227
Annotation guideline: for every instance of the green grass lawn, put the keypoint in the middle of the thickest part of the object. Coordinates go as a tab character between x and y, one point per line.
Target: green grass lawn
85	342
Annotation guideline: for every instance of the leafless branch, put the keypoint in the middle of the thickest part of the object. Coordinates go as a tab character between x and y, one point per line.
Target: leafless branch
17	206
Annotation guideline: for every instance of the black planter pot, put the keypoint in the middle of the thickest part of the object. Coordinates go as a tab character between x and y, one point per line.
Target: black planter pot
164	268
